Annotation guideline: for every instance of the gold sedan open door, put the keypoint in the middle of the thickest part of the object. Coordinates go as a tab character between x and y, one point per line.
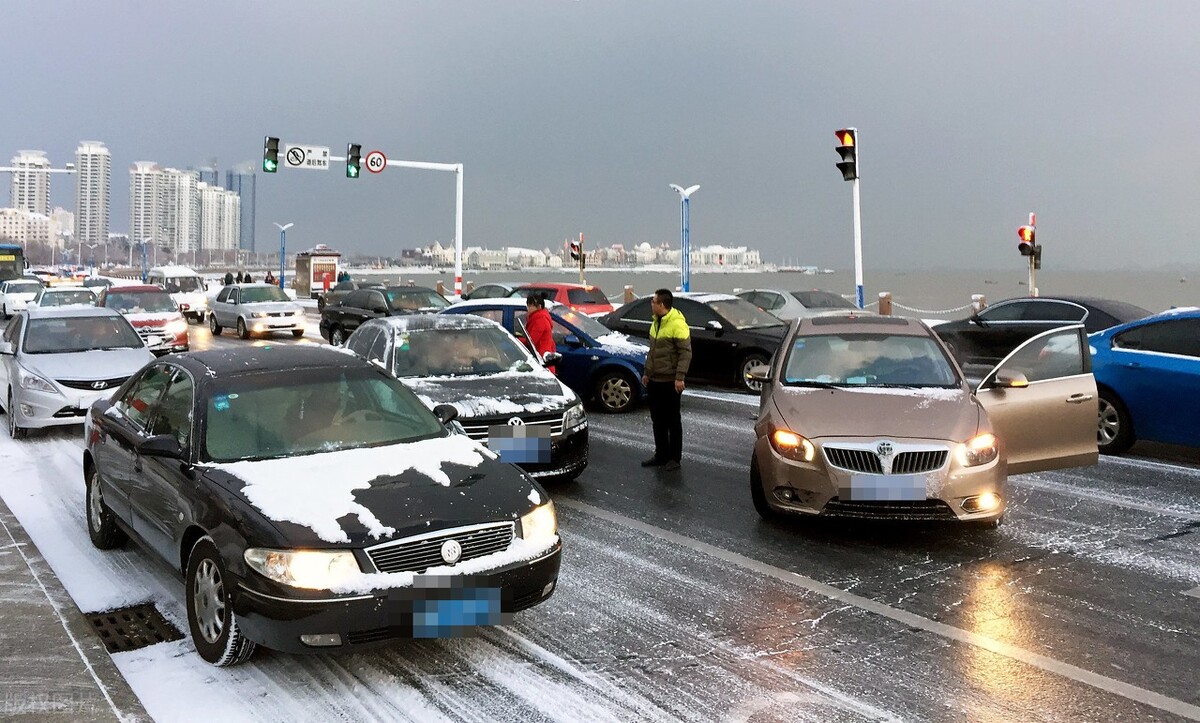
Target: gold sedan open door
1042	402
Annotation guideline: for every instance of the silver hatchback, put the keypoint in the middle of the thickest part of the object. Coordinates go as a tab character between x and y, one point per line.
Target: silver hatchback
54	362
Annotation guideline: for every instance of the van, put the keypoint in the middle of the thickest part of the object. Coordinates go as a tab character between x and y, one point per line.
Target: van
185	287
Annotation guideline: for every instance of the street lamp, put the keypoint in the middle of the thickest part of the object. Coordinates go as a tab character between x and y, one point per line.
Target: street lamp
685	241
282	248
92	249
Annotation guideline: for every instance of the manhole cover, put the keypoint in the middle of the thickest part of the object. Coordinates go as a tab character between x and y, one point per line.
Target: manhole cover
132	628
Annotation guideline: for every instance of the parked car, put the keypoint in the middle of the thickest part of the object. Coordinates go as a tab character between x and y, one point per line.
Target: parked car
64	296
730	336
16	294
988	336
54	362
341	318
588	299
488	291
96	282
1148	374
255	309
596	363
341	289
788	305
153	313
869	417
312	503
493	381
185	286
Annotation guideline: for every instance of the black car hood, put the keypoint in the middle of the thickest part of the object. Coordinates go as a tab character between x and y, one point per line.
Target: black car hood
362	497
490	395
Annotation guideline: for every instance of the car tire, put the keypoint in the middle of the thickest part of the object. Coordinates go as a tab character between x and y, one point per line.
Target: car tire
1114	427
747	363
758	496
320	303
242	331
337	336
213	624
102	526
297	333
14	430
616	391
213	326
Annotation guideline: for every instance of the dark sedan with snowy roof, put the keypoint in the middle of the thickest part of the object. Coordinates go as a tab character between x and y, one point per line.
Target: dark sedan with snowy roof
312	503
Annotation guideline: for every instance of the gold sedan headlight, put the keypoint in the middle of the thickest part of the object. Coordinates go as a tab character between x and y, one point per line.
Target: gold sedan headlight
792	445
978	450
539	524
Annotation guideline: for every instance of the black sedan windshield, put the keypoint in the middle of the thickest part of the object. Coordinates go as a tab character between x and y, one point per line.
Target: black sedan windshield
258	416
447	352
744	315
871	360
81	333
414	300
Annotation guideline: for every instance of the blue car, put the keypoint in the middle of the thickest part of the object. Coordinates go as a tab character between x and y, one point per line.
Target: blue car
596	363
1148	376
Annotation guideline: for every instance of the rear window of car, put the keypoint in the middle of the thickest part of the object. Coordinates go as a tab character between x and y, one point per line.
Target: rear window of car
822	300
591	295
183	284
22	287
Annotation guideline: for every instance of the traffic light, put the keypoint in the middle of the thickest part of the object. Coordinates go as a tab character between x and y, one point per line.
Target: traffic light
848	150
270	154
576	251
353	159
1026	246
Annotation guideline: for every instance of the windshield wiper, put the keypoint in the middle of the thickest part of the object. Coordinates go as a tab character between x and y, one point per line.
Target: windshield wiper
812	383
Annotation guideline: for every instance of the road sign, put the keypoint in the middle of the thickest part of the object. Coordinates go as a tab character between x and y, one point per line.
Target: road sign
312	157
376	161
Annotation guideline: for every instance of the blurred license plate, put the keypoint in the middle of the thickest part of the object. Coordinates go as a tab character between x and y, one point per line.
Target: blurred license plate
521	444
887	487
453	617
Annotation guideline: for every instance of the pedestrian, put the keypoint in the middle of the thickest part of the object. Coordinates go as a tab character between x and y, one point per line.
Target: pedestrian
666	366
246	279
228	278
240	277
325	279
269	278
540	327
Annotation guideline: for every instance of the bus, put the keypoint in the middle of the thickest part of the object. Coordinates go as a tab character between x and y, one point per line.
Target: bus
12	262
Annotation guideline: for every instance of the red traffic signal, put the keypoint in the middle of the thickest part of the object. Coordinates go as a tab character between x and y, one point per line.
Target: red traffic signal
848	151
576	251
1026	245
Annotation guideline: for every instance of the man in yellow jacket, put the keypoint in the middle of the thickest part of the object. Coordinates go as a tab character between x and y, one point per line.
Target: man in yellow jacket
666	365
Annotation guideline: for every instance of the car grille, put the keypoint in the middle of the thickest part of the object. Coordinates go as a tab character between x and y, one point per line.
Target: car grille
145	332
477	429
862	460
890	510
87	384
417	555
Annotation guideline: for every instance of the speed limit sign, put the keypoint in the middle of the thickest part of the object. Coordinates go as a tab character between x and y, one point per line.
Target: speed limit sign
376	161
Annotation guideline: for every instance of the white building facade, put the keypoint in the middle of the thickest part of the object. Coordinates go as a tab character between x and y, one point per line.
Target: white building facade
145	202
18	225
220	219
30	187
93	181
180	211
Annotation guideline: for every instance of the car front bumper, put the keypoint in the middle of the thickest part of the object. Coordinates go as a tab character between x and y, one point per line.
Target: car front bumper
371	620
568	457
276	323
813	488
33	409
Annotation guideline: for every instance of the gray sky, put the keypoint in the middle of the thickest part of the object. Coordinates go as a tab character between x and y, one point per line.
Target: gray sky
575	115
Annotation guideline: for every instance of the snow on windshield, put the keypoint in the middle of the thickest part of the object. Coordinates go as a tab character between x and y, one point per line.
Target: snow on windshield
317	490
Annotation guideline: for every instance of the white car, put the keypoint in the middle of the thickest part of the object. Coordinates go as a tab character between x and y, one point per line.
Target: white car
185	287
64	296
54	362
15	295
255	309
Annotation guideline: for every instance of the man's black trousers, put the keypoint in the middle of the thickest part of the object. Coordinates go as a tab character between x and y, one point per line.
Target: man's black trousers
668	424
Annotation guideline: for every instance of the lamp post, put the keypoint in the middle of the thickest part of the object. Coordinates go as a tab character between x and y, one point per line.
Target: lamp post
282	248
92	249
685	241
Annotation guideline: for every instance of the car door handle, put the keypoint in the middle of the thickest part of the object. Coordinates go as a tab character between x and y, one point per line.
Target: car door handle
1134	365
1079	398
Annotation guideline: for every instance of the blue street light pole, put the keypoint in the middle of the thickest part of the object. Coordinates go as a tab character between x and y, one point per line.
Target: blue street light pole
685	235
282	248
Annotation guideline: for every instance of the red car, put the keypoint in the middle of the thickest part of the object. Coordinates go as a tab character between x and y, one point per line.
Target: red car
153	313
584	298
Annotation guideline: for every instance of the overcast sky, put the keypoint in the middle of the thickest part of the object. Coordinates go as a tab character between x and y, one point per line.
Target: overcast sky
573	116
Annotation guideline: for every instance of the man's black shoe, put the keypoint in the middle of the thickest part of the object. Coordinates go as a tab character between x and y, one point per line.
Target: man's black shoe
653	462
671	466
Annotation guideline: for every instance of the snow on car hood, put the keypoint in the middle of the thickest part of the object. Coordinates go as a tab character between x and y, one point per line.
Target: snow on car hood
485	395
89	365
617	343
920	413
273	306
317	490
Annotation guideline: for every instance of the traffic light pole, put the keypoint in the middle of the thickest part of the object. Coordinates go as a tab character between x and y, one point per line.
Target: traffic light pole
858	256
1033	291
457	168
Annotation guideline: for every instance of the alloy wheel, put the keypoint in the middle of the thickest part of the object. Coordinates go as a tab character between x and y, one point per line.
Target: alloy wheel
94	503
209	601
1109	423
615	392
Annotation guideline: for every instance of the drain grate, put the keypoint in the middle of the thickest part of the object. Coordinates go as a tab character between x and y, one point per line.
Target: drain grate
131	628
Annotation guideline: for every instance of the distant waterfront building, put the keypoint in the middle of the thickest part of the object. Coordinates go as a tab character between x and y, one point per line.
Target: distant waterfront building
18	225
145	202
242	183
93	179
209	175
219	225
62	226
180	211
30	188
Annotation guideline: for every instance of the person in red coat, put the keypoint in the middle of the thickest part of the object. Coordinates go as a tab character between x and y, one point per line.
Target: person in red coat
539	326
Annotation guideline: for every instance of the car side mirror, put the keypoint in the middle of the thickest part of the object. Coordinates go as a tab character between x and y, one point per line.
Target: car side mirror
551	357
379	310
976	319
760	374
572	340
446	413
715	325
1010	380
162	445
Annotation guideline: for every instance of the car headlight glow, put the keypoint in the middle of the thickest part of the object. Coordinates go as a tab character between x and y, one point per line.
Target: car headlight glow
539	524
310	569
978	450
792	445
574	418
258	314
35	383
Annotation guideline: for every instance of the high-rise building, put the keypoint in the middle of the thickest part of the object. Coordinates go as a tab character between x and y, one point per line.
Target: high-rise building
180	211
62	225
20	226
93	178
208	175
242	183
31	188
218	218
146	202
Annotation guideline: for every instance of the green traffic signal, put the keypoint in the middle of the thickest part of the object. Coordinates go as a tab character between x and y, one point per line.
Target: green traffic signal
351	171
269	166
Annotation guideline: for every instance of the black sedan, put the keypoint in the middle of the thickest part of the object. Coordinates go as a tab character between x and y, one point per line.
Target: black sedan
730	336
341	318
342	289
987	337
312	503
